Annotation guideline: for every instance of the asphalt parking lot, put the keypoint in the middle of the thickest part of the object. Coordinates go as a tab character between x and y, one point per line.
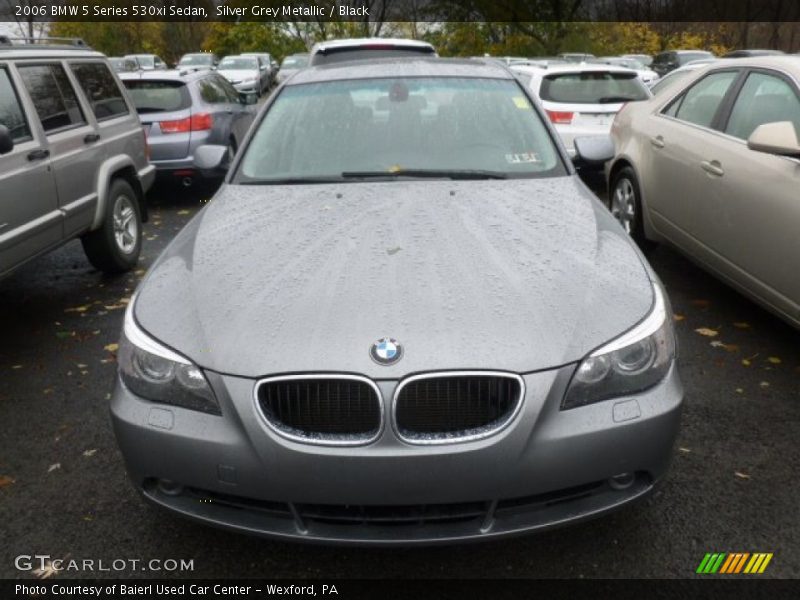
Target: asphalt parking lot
63	490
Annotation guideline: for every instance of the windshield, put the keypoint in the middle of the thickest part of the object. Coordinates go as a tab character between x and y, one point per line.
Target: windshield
294	62
197	59
592	87
415	127
158	96
238	63
144	60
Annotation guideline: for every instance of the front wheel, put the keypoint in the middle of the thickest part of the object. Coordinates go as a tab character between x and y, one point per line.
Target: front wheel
115	246
625	204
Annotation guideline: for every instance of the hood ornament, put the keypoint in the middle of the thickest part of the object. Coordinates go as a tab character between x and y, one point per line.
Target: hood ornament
386	351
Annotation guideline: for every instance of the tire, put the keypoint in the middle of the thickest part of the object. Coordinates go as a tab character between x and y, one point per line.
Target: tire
115	246
625	204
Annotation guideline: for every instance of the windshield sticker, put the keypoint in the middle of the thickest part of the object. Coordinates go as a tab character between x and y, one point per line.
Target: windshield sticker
521	103
522	157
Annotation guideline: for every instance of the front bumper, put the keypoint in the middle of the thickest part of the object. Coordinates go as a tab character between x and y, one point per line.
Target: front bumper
547	468
246	87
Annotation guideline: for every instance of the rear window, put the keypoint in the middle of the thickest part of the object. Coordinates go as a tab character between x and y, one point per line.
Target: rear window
690	56
158	96
197	59
234	64
294	62
337	55
592	87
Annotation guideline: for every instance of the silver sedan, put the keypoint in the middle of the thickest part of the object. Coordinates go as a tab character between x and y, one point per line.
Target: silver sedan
402	319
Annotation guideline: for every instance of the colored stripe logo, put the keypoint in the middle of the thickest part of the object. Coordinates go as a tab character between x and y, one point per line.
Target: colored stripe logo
734	562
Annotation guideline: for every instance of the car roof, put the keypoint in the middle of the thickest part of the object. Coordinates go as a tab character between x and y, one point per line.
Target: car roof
786	62
358	42
402	67
172	75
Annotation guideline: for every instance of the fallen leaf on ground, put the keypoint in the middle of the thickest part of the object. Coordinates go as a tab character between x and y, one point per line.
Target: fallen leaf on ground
741	475
183	212
5	480
724	346
774	360
741	325
684	450
111	347
764	384
78	309
53	467
707	332
90	452
113	306
739	391
64	334
701	303
678	317
16	367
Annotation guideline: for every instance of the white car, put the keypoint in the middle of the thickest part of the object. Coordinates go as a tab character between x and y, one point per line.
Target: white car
647	75
583	99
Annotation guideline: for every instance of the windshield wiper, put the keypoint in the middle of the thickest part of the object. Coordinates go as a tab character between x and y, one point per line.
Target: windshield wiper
613	99
291	180
432	173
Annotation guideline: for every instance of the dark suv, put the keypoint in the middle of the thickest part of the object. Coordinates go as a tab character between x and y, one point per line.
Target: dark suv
73	159
664	62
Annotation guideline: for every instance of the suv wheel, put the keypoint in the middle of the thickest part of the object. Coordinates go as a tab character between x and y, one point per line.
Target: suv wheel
115	246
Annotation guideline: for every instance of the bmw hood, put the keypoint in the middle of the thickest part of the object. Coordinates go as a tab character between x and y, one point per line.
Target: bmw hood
516	275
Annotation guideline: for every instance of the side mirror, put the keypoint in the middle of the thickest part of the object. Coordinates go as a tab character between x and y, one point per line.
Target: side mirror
775	138
248	97
6	141
210	157
593	151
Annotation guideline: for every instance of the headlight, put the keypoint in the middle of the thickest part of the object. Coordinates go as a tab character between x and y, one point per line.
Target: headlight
633	362
156	373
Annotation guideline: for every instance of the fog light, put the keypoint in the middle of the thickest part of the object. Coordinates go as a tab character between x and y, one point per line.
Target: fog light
622	481
170	488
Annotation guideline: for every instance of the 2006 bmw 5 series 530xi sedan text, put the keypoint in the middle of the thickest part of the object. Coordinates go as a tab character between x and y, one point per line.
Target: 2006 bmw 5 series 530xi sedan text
402	319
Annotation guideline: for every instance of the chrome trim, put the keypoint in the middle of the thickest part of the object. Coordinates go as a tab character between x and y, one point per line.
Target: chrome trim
645	328
324	441
136	336
463	438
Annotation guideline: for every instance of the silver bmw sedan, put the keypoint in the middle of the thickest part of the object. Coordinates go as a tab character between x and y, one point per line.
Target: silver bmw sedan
402	319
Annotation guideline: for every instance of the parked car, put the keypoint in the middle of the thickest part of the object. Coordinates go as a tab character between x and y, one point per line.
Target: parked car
330	51
267	65
712	167
678	74
181	111
582	99
646	75
664	62
73	158
148	62
245	74
120	64
198	60
528	380
290	65
750	53
645	59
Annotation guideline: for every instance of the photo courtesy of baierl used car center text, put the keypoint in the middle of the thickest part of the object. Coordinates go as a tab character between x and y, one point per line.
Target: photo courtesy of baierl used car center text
399	299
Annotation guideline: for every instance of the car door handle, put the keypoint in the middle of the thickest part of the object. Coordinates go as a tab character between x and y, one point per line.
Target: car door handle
713	167
657	141
38	154
91	138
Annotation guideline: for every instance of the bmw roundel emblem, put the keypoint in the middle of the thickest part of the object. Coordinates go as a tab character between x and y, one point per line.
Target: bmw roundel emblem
386	351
